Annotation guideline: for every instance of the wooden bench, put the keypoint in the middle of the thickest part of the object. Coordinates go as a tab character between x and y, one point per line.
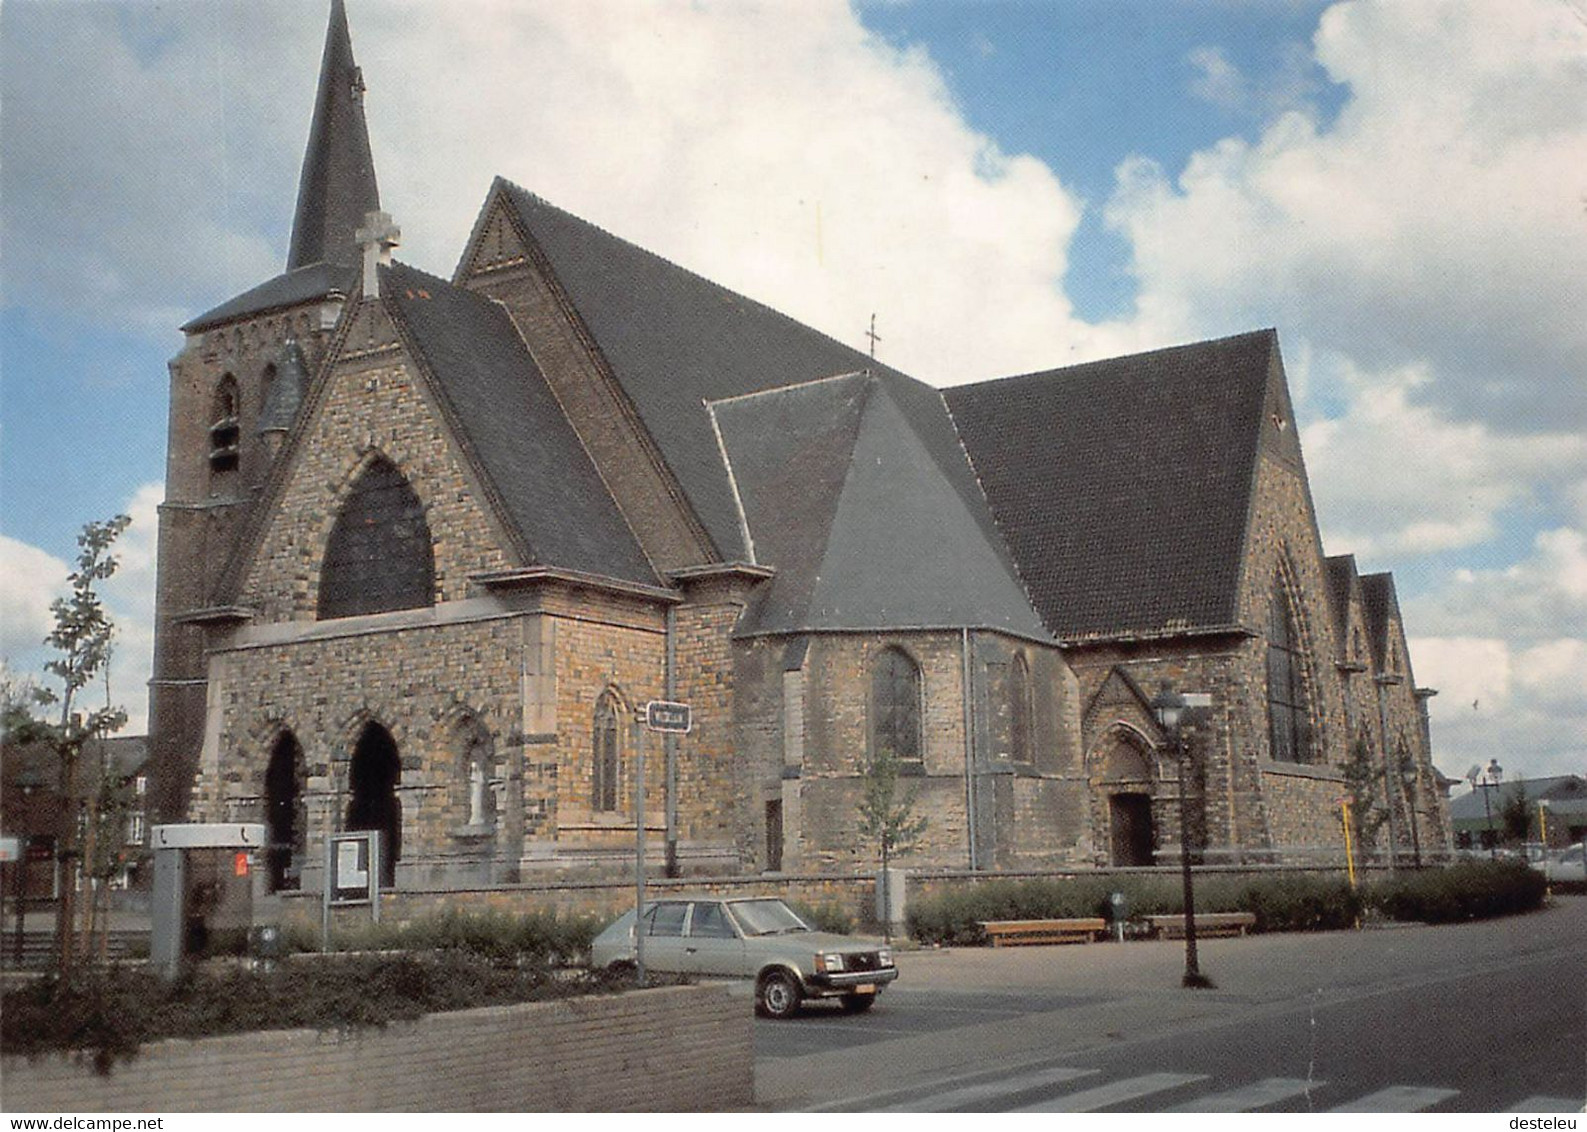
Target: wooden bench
1207	924
1013	933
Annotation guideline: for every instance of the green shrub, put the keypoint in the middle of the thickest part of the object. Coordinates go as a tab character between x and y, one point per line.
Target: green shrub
826	917
1284	902
537	937
1469	890
110	1013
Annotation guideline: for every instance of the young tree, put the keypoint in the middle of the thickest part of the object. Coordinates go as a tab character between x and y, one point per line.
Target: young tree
1515	815
1364	779
82	639
887	820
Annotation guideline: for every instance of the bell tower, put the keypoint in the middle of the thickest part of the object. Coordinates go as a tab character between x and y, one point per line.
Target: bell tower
236	389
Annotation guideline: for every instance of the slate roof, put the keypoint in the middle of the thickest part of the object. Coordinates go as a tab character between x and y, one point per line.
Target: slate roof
1566	793
1343	584
507	416
674	340
1123	486
337	186
844	497
304	285
1382	609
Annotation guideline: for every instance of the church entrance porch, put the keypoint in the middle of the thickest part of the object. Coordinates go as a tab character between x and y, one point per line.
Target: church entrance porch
1130	819
373	777
284	819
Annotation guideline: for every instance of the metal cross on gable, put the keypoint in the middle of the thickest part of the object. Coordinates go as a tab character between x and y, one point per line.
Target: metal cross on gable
872	335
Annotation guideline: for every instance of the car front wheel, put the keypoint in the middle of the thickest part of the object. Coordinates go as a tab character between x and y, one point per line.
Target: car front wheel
779	995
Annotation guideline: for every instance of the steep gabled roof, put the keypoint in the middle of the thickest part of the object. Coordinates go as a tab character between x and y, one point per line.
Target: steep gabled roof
674	340
507	417
1382	608
1344	589
843	496
337	186
1122	487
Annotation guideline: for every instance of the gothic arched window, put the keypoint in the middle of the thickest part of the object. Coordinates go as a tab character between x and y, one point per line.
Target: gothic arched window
1289	726
1021	731
895	705
605	754
378	557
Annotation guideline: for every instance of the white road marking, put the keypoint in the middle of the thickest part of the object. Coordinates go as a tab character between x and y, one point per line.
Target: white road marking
1116	1092
1258	1094
987	1090
1397	1098
1548	1104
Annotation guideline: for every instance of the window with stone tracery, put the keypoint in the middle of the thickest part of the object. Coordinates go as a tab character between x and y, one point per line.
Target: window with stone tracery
895	706
1289	726
379	556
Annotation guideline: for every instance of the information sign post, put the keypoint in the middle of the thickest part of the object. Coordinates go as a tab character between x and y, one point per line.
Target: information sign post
666	717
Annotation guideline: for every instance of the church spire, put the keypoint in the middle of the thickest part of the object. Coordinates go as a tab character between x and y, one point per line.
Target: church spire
338	184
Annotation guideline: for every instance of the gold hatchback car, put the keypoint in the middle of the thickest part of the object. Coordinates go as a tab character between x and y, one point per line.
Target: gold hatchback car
757	938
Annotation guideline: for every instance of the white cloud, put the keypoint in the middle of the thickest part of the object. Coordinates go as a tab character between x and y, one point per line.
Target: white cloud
34	579
1396	479
1437	222
1513	682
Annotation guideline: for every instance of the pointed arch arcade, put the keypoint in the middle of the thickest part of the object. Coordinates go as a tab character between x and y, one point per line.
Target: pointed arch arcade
379	555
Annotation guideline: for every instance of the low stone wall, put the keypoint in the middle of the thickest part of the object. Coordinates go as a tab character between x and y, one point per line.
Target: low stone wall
854	895
671	1049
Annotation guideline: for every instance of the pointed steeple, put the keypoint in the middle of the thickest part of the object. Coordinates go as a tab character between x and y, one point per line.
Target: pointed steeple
337	187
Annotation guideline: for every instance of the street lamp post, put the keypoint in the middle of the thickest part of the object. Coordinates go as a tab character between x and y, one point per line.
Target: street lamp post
1169	708
1489	777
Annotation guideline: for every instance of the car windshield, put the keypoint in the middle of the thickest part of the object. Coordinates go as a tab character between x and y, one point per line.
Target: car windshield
767	917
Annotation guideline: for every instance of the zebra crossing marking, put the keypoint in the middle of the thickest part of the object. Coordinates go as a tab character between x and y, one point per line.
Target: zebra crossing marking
970	1094
1548	1104
1397	1098
1258	1094
1115	1092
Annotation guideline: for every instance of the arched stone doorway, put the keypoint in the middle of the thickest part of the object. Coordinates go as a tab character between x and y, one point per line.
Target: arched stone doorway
285	820
373	779
1123	776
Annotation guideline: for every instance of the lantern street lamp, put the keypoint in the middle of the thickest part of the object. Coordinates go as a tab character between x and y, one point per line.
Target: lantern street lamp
1489	778
1168	706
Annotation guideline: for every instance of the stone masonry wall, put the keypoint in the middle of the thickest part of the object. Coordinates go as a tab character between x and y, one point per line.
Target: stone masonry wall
373	404
679	1049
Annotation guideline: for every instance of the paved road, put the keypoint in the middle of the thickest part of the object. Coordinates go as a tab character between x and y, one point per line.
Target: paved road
1481	1017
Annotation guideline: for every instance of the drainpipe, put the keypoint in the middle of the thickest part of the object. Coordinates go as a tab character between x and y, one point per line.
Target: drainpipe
671	746
970	784
1383	682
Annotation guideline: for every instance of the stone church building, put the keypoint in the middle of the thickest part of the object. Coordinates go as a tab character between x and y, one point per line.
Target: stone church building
430	545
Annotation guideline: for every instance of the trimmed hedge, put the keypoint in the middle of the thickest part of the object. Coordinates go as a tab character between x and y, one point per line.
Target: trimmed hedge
1469	890
1280	902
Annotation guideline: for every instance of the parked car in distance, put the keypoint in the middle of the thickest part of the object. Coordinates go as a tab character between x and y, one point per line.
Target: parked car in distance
757	938
1566	864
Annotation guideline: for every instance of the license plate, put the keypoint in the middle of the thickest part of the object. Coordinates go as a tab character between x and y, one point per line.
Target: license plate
865	988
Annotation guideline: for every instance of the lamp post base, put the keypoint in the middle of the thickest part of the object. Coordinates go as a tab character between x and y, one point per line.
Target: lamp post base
1197	981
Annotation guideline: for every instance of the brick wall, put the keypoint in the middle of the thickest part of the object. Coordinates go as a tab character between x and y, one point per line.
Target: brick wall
672	1049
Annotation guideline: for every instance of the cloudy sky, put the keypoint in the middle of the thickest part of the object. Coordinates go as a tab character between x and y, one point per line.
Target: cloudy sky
1008	185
